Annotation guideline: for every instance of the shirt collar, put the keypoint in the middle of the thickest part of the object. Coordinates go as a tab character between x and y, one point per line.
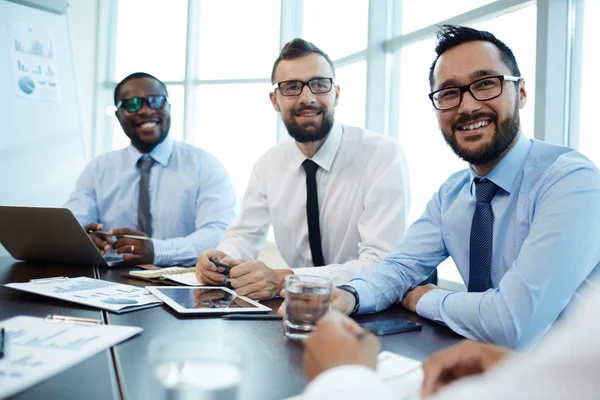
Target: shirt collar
505	173
161	153
326	154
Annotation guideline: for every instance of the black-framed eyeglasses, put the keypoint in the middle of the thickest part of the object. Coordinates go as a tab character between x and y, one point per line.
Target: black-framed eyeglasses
133	104
483	89
295	87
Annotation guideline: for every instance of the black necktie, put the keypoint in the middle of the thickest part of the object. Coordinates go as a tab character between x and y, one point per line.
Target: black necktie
312	212
482	234
144	219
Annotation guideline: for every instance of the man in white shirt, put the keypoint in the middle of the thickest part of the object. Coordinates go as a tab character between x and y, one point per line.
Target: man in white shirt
337	196
340	361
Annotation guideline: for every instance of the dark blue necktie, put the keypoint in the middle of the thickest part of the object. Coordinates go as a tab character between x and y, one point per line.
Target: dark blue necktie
144	217
482	235
312	212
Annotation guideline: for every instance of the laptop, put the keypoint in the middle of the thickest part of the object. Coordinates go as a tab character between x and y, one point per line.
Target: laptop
39	234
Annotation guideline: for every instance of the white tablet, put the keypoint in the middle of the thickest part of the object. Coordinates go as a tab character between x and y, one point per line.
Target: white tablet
205	300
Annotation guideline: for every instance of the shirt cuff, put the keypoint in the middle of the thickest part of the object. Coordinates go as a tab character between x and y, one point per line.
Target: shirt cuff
347	382
162	252
365	296
429	304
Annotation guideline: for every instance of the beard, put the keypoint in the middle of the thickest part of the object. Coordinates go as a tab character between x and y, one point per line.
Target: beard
147	147
309	132
504	135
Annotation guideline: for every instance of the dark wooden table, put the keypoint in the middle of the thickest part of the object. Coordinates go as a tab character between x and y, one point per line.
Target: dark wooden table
272	364
93	378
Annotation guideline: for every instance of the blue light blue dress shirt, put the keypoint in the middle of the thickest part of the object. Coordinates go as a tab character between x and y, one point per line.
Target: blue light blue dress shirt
191	198
546	244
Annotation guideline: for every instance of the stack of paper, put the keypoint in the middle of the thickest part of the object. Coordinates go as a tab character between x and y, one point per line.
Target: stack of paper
184	276
107	295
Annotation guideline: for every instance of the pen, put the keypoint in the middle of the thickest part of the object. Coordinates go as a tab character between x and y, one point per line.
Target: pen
119	236
251	316
63	318
220	264
1	342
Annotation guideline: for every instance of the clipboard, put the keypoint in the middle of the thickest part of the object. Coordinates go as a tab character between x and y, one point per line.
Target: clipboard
38	348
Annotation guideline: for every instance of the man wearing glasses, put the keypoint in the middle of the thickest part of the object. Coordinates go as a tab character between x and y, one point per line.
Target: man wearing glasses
521	223
175	199
336	196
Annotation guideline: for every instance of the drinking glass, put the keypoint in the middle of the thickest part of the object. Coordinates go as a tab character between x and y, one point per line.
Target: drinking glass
307	300
186	369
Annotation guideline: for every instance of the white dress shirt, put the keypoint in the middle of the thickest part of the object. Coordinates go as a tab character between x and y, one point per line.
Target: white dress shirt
564	365
362	186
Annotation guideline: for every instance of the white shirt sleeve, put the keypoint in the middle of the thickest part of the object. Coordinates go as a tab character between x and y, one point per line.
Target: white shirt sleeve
246	236
348	382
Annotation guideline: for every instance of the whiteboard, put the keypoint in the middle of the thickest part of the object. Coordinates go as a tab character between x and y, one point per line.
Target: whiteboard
41	132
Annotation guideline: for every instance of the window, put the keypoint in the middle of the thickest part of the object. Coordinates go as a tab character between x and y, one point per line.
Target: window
352	80
338	27
417	14
589	139
238	38
151	38
430	160
236	123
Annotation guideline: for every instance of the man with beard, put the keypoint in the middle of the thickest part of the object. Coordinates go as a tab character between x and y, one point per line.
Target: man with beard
521	223
177	196
337	196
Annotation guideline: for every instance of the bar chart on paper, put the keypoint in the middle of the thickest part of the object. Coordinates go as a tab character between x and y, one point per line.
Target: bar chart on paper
36	348
93	292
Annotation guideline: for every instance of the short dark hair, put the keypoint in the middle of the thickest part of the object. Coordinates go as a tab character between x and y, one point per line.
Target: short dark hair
136	75
299	48
450	36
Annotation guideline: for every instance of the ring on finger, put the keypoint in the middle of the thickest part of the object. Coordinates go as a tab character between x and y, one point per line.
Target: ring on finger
132	248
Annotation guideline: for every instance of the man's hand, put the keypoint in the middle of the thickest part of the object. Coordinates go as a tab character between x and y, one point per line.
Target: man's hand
102	242
337	341
207	272
461	360
141	251
257	281
411	298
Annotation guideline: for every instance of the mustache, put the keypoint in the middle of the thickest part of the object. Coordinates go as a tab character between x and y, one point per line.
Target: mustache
473	117
307	108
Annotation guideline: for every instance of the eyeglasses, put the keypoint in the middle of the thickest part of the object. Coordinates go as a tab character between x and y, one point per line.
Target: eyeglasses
294	88
133	104
482	89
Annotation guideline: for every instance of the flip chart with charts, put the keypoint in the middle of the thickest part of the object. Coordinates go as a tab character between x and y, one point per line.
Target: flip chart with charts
37	348
110	296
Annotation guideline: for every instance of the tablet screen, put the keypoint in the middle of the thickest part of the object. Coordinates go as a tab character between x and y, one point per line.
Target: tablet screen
207	298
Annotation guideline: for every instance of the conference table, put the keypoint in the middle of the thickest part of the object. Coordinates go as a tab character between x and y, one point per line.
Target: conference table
272	365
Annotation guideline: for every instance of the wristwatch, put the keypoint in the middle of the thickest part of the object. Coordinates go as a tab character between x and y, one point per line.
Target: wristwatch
354	293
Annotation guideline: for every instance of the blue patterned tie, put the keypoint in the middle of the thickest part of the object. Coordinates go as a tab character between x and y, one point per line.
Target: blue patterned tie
482	234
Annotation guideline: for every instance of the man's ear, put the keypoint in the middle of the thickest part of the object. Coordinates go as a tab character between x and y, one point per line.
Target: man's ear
522	94
273	98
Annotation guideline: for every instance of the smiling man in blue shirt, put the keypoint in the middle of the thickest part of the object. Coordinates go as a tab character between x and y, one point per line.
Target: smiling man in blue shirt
521	223
174	193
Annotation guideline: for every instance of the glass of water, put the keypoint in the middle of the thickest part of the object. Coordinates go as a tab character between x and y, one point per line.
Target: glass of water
186	369
307	300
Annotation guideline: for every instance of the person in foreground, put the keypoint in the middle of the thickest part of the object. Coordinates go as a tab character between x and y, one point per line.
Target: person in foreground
336	195
521	223
564	365
176	194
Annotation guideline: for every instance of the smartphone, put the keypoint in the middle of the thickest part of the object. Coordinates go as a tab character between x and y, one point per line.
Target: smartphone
222	265
391	326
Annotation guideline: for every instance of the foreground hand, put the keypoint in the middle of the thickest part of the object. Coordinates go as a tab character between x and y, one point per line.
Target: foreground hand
207	272
461	360
341	301
142	251
257	281
338	340
102	242
411	298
